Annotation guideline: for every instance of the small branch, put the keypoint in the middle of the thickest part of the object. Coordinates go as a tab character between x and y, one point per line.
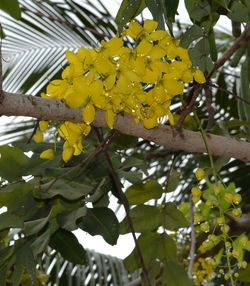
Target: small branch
125	203
190	106
230	92
33	132
243	38
210	108
193	240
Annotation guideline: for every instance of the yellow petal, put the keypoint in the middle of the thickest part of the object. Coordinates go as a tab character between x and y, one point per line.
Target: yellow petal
96	87
157	52
150	25
88	113
134	30
199	76
187	76
57	88
38	137
71	57
43	125
150	123
109	82
157	35
110	118
74	100
172	86
170	118
47	154
143	48
67	153
78	149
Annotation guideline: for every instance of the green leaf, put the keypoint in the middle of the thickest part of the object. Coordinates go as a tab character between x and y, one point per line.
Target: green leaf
12	161
24	259
173	218
11	7
245	88
101	221
212	45
238	12
124	141
3	272
244	274
141	193
34	226
173	181
145	218
171	9
200	55
128	10
175	275
67	244
193	33
154	246
197	10
69	221
154	7
237	56
9	220
69	190
41	242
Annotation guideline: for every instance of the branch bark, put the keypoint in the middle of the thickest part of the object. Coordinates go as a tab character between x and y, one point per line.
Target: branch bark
189	141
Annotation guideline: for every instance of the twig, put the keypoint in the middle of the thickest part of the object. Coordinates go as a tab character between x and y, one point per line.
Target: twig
125	203
33	132
190	106
210	108
84	164
227	55
229	92
193	240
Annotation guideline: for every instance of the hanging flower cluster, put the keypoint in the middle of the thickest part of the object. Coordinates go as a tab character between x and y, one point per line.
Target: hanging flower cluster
212	208
140	80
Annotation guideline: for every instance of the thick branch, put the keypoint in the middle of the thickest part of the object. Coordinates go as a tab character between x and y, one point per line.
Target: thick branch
189	141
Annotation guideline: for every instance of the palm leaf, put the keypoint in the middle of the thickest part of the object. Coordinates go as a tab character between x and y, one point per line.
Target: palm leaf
34	47
100	269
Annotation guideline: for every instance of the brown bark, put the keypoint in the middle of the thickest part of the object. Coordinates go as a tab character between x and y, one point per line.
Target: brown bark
189	141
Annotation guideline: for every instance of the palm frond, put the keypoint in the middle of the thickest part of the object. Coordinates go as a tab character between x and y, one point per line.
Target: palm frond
100	269
34	47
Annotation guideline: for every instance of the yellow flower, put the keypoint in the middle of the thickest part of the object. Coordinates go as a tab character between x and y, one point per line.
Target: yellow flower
43	125
134	30
47	154
88	113
199	174
172	86
67	154
150	123
38	137
110	118
199	76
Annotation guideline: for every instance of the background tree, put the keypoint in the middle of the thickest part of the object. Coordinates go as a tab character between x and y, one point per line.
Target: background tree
188	234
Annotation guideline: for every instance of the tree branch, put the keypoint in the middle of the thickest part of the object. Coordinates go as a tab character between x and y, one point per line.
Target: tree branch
188	141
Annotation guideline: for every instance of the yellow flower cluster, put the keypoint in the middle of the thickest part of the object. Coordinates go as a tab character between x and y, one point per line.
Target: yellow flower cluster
203	271
138	73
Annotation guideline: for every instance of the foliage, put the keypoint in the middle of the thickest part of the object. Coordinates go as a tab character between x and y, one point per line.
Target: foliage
193	227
